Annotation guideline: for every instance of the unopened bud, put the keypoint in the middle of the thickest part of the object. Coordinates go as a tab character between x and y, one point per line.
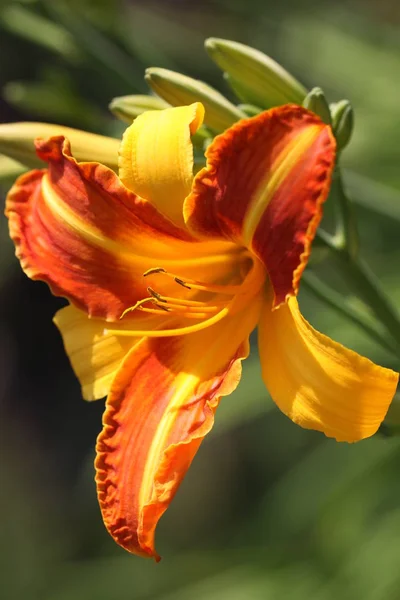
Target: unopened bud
127	108
342	122
250	109
10	169
316	102
179	90
17	142
254	76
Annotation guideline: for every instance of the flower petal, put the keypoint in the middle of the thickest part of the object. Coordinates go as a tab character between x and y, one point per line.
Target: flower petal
263	187
80	230
156	157
160	407
95	354
319	383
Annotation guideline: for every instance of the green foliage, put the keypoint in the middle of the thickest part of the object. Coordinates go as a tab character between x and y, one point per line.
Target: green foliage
267	511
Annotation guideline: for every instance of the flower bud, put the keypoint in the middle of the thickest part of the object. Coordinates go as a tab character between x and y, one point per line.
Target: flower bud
179	90
250	109
127	108
9	169
342	122
17	142
256	77
316	102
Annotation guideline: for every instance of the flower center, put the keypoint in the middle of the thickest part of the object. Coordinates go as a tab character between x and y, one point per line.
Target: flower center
218	301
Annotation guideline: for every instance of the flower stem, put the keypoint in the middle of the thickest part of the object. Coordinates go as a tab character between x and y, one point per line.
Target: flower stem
346	228
339	303
361	278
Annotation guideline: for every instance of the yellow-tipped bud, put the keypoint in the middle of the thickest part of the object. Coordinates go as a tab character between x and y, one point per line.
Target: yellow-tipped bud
254	77
316	102
179	90
17	142
342	122
127	108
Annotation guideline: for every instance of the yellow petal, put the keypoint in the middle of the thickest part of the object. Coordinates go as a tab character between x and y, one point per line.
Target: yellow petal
95	355
156	157
318	383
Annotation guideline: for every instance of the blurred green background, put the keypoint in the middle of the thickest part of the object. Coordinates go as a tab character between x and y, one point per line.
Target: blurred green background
267	511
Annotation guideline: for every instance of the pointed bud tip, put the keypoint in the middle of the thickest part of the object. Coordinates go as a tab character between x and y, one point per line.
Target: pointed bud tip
342	122
315	101
180	90
127	108
256	78
212	43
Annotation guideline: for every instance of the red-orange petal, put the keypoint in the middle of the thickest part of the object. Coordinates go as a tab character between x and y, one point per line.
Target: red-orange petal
78	228
160	407
265	181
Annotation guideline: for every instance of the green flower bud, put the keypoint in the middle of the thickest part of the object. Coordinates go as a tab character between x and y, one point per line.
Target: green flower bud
10	169
254	77
241	91
17	142
179	90
250	109
316	102
127	108
342	122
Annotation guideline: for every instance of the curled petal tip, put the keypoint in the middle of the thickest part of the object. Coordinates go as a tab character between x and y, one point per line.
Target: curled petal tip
319	383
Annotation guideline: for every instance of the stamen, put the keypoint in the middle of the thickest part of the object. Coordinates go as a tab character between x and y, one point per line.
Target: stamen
228	290
181	282
173	300
154	271
153	311
155	294
186	308
193	309
139	306
180	303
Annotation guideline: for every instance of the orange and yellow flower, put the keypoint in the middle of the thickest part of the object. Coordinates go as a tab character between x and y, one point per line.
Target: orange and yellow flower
167	275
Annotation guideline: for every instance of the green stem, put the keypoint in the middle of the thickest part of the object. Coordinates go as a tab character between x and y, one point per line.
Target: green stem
347	231
365	192
329	296
366	284
369	288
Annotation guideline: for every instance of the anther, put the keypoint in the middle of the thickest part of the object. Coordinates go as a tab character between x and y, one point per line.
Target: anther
182	283
155	294
153	271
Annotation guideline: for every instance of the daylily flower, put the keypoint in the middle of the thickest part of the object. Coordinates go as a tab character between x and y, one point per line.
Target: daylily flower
168	274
